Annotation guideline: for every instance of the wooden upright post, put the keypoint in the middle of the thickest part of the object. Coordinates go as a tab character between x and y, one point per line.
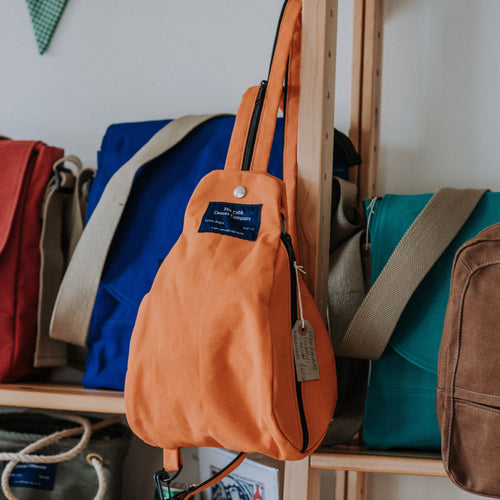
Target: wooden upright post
315	160
315	149
366	91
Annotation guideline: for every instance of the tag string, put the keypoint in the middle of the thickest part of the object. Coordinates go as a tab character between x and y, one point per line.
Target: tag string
301	311
371	211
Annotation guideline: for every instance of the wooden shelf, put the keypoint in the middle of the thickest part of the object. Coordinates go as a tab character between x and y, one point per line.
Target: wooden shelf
356	458
62	397
351	464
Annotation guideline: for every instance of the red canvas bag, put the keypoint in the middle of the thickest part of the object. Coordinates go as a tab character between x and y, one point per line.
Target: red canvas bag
25	170
229	349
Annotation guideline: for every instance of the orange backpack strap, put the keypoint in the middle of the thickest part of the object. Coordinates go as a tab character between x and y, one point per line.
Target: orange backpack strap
236	150
163	478
285	64
291	131
265	134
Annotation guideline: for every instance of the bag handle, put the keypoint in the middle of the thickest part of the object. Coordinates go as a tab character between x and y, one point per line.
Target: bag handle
75	299
234	158
289	36
285	62
290	141
286	54
423	243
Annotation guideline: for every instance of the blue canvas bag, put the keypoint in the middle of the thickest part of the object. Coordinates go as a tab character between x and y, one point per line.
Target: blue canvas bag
150	223
401	398
97	308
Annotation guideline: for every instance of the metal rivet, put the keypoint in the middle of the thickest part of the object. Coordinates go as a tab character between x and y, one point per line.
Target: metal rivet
239	192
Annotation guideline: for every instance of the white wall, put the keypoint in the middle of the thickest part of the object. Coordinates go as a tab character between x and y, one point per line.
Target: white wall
131	61
440	100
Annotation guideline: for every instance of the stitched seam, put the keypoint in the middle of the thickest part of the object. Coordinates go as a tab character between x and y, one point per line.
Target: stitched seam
460	258
478	393
470	407
484	264
455	364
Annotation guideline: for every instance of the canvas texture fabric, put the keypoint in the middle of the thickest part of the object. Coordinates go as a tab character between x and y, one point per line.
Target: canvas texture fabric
216	327
146	174
348	282
401	406
25	173
468	382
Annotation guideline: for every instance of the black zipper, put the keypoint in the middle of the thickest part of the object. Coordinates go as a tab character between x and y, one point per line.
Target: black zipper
254	126
287	242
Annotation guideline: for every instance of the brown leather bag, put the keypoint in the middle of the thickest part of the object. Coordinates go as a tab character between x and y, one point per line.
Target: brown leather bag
468	392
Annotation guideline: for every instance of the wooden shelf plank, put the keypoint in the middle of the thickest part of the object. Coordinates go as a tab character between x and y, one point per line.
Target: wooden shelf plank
62	397
361	460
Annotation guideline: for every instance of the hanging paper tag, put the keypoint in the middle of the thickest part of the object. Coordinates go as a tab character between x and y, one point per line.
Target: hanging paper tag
304	350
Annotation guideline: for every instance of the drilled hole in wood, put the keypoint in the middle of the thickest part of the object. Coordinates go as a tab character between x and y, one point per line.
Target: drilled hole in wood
326	135
329	53
328	95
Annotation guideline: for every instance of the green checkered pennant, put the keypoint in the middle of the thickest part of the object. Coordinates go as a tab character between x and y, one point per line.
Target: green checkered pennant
45	15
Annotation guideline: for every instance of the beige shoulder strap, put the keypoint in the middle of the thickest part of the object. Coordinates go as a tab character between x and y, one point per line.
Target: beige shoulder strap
75	300
423	243
62	224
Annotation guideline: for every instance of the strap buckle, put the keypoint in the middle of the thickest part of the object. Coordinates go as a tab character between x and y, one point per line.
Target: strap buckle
162	477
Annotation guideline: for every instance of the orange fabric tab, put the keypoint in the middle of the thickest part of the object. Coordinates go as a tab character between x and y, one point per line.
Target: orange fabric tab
172	460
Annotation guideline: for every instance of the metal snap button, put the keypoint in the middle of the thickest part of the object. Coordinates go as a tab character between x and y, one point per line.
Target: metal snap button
239	192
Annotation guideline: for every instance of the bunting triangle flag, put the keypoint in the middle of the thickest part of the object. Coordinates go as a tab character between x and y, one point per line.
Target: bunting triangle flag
45	15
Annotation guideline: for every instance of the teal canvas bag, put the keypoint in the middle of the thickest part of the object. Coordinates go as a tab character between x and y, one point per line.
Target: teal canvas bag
412	252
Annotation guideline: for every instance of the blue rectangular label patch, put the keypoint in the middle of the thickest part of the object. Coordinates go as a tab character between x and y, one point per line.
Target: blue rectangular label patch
233	219
35	476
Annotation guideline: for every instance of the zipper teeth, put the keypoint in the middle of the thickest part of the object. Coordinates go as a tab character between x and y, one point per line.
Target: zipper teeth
254	125
285	238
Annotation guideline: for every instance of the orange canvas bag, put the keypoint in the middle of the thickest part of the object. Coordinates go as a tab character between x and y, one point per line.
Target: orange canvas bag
229	349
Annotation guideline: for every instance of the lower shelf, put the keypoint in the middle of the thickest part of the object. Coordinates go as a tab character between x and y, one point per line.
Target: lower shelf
344	457
62	397
356	458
